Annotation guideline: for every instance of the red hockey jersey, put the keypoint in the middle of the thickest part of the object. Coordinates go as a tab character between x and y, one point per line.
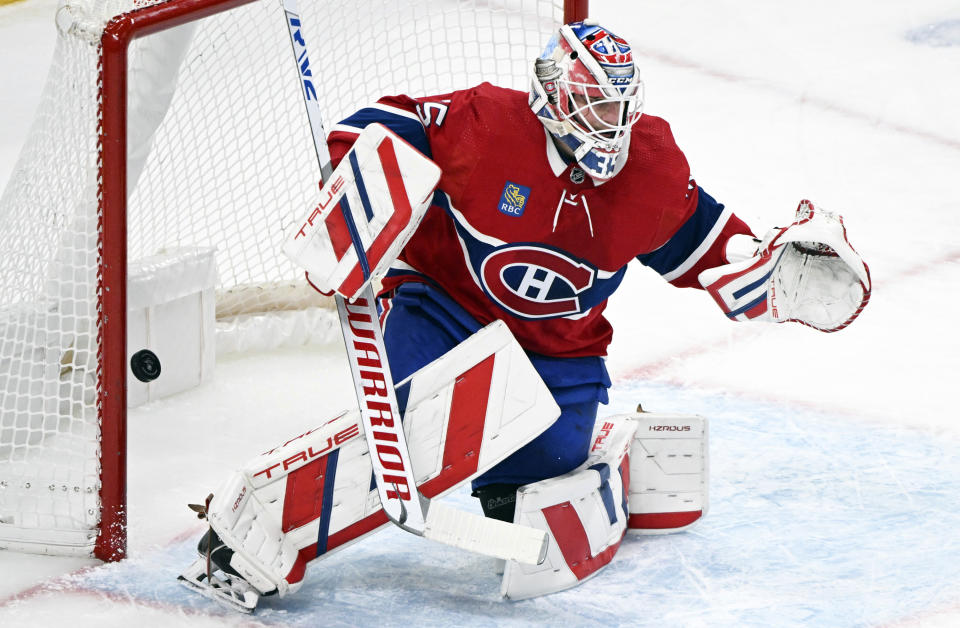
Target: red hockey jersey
516	233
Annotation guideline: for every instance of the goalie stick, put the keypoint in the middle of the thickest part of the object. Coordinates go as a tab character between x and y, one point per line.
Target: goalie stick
393	471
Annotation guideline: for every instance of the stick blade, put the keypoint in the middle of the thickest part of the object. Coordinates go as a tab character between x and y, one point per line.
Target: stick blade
489	537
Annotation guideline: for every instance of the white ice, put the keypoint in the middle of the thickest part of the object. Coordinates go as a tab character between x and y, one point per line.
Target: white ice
835	457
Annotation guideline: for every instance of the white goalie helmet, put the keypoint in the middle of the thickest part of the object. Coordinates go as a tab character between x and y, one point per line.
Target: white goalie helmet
587	93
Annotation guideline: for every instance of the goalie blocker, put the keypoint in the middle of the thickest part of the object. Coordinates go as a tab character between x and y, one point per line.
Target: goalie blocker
365	213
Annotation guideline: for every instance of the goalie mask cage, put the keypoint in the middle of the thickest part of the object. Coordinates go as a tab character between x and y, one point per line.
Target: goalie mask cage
181	124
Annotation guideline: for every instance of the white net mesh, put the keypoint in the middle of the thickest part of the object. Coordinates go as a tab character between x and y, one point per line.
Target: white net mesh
220	156
49	465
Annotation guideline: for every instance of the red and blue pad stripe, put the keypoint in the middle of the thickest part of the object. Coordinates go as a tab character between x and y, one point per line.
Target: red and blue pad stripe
584	511
741	288
309	497
367	210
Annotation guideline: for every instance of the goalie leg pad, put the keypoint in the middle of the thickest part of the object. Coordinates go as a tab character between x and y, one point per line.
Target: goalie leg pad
262	555
466	412
669	463
584	512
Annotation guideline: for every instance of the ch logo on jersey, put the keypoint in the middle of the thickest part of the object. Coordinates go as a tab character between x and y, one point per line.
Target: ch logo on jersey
513	199
532	281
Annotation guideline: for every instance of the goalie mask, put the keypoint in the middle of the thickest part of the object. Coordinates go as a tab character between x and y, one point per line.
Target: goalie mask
587	93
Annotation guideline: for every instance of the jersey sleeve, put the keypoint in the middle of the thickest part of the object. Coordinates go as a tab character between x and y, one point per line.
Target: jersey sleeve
446	127
698	244
397	113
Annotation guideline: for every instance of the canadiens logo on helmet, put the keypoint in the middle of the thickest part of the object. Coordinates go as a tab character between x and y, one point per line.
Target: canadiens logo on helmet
608	49
612	53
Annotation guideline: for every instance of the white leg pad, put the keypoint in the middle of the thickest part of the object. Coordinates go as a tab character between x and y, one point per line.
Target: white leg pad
584	512
314	494
263	556
669	465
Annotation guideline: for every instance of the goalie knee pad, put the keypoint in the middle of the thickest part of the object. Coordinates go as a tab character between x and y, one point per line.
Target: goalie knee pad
647	473
584	512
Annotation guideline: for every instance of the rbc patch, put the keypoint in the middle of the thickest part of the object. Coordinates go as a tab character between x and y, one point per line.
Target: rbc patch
514	199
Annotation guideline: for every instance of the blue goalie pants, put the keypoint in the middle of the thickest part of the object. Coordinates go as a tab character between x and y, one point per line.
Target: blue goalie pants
421	323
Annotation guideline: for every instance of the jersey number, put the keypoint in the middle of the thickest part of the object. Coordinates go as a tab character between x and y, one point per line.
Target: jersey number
431	112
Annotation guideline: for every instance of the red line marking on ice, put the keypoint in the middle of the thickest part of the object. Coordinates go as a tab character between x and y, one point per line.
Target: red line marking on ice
60	583
920	268
658	368
60	587
820	103
64	582
926	617
193	532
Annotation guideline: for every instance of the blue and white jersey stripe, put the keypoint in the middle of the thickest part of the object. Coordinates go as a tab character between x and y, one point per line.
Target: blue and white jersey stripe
402	122
692	241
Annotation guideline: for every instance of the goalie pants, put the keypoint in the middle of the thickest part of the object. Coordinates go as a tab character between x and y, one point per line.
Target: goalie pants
421	323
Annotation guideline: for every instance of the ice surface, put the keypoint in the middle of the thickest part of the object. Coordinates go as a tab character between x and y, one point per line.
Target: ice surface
835	457
813	521
945	33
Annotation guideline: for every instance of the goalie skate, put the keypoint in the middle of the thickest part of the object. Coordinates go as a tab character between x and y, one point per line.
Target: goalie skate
232	592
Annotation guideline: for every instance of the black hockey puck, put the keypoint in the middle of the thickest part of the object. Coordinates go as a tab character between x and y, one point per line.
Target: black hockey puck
145	365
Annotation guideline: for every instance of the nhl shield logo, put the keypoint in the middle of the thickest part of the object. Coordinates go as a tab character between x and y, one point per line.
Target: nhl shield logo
514	199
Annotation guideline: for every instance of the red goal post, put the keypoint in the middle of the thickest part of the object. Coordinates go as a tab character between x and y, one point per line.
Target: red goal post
226	165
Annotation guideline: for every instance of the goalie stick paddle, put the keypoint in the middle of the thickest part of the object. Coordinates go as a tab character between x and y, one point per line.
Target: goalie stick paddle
387	443
383	430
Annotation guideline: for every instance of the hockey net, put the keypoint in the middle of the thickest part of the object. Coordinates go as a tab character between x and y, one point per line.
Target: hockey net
193	140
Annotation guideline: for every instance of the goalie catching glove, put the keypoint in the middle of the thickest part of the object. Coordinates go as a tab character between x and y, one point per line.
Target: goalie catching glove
806	272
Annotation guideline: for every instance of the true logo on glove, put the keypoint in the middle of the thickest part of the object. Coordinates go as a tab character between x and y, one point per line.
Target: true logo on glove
321	206
772	300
